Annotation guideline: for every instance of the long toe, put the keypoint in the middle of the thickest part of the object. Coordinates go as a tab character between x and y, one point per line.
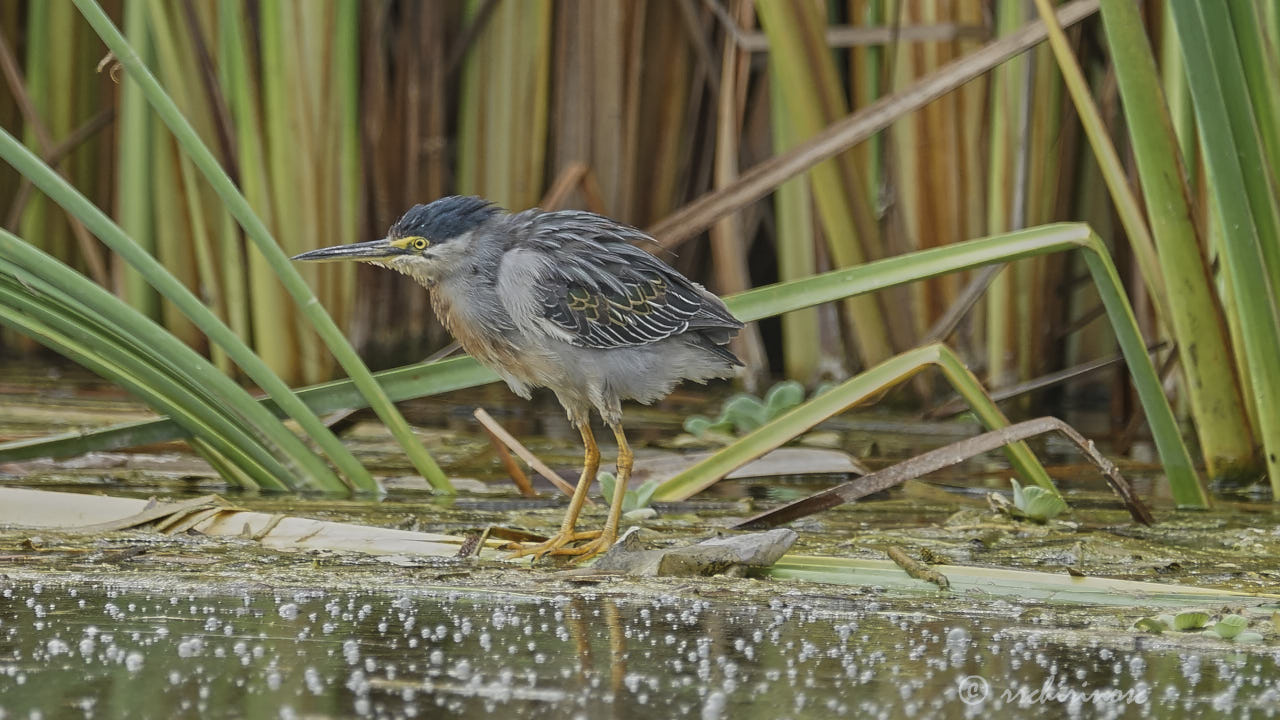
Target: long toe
558	544
593	548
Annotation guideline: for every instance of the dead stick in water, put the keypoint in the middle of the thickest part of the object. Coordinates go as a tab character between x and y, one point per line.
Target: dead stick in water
947	456
513	468
511	442
917	569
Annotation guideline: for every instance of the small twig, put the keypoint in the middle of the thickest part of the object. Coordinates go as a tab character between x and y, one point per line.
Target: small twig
1085	318
591	192
701	46
917	569
213	90
89	250
53	158
763	178
113	67
843	36
342	420
568	179
956	405
478	22
444	352
523	452
267	528
575	176
509	463
1022	161
959	309
1136	419
945	457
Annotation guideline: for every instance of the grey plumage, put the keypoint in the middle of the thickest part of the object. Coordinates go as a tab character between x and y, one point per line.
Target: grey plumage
564	300
445	218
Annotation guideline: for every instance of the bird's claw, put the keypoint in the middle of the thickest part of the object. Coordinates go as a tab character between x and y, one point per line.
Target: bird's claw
595	547
556	545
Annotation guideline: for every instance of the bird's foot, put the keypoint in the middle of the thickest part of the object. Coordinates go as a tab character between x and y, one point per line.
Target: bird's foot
595	547
556	545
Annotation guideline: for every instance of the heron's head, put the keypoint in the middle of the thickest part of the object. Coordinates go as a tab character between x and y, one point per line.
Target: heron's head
427	243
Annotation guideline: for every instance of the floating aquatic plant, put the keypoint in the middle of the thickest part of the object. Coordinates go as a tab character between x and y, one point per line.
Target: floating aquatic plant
1229	627
745	412
1037	503
635	499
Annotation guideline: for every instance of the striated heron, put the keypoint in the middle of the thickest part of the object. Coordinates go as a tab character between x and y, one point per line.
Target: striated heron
562	300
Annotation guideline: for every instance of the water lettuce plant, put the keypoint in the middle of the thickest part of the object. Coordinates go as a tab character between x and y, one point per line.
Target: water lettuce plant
745	412
1229	626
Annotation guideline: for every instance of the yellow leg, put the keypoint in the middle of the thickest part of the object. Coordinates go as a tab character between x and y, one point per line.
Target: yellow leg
610	532
590	464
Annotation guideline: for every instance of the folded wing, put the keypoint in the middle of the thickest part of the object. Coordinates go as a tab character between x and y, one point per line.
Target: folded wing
596	289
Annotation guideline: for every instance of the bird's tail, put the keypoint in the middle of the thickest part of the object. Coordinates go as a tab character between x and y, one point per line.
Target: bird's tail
717	341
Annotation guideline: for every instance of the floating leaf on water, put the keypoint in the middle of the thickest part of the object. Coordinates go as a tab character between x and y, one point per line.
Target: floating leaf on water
1248	637
1036	502
644	493
695	425
607	482
745	412
1150	624
1230	626
1042	504
1019	497
782	397
1190	620
634	499
705	429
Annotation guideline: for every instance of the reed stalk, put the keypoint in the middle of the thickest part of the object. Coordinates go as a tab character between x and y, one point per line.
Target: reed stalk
1226	440
812	98
855	391
793	212
284	270
132	177
131	335
1238	183
100	225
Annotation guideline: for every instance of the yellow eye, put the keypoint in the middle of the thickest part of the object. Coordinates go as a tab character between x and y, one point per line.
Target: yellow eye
420	244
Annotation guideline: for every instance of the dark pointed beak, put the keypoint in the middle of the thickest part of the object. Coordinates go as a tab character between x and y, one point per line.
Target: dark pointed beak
366	251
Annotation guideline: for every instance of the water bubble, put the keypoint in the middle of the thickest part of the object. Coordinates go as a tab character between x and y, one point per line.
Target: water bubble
461	670
190	647
315	683
714	706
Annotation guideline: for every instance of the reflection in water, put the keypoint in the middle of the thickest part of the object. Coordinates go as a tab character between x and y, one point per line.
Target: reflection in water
88	651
